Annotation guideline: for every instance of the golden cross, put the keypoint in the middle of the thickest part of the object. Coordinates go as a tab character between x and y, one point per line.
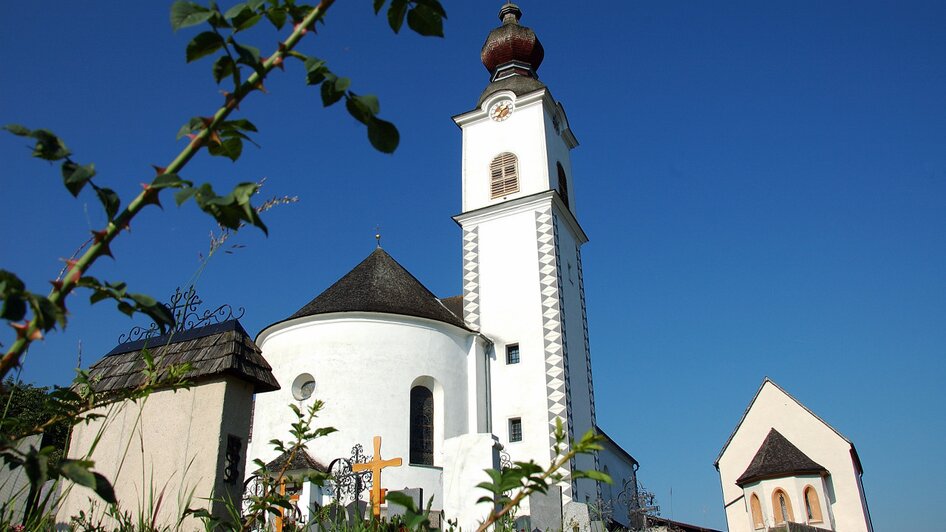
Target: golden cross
375	466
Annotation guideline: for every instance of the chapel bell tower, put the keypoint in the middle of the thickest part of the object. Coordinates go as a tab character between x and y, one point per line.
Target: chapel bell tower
522	273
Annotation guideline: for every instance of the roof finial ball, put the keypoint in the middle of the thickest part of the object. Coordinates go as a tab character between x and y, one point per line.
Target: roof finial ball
510	13
377	235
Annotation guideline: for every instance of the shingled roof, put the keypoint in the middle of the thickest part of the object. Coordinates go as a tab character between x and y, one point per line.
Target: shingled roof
454	304
301	461
778	457
212	350
380	284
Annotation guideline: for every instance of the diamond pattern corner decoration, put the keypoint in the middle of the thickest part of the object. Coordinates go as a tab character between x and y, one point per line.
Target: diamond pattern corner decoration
471	277
556	373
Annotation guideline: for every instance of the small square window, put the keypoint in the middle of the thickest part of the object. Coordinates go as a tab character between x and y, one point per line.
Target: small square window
515	429
512	354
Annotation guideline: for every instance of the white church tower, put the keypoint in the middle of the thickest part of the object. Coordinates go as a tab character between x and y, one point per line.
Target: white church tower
522	274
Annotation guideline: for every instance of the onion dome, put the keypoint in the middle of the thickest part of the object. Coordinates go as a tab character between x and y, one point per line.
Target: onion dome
511	49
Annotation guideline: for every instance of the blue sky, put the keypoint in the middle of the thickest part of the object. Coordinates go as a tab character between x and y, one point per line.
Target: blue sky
764	185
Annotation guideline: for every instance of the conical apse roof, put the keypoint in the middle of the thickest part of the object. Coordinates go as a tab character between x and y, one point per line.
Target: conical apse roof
380	284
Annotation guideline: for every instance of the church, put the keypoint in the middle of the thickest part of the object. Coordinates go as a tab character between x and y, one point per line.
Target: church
449	380
451	386
784	467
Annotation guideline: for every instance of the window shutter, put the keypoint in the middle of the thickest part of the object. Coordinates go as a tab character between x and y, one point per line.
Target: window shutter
503	175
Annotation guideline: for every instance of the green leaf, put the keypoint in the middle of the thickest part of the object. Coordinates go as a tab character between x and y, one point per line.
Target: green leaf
363	108
597	475
11	292
276	16
240	123
396	14
333	88
184	14
18	130
383	135
75	177
222	68
402	499
235	10
104	489
425	21
14	308
315	70
161	314
434	5
378	4
110	201
169	181
246	20
126	309
48	145
230	147
36	464
183	195
203	44
358	111
78	472
248	54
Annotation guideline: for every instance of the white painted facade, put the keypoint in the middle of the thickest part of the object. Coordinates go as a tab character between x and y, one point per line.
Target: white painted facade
840	492
528	287
619	498
365	365
522	286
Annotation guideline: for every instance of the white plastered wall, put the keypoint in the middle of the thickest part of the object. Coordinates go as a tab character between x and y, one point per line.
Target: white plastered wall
617	495
511	314
794	488
507	256
523	134
184	436
773	408
364	365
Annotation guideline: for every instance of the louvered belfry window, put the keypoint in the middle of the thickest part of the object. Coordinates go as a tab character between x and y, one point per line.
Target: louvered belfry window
503	175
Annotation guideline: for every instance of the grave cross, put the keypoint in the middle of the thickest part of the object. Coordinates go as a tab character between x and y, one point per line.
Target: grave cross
375	466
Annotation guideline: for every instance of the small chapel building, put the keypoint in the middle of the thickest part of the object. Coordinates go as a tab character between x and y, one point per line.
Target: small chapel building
784	468
456	385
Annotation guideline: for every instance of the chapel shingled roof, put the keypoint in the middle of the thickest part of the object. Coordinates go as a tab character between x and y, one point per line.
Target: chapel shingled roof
212	350
380	284
778	457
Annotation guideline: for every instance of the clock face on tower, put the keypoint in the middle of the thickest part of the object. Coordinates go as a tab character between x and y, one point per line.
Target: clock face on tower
501	110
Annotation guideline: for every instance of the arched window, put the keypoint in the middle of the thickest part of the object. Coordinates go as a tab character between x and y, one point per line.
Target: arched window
782	506
503	175
422	426
756	507
812	505
563	185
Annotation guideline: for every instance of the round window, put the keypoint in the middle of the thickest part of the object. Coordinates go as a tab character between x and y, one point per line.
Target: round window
303	387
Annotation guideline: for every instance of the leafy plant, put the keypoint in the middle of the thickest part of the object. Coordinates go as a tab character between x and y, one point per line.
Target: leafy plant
510	486
244	69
